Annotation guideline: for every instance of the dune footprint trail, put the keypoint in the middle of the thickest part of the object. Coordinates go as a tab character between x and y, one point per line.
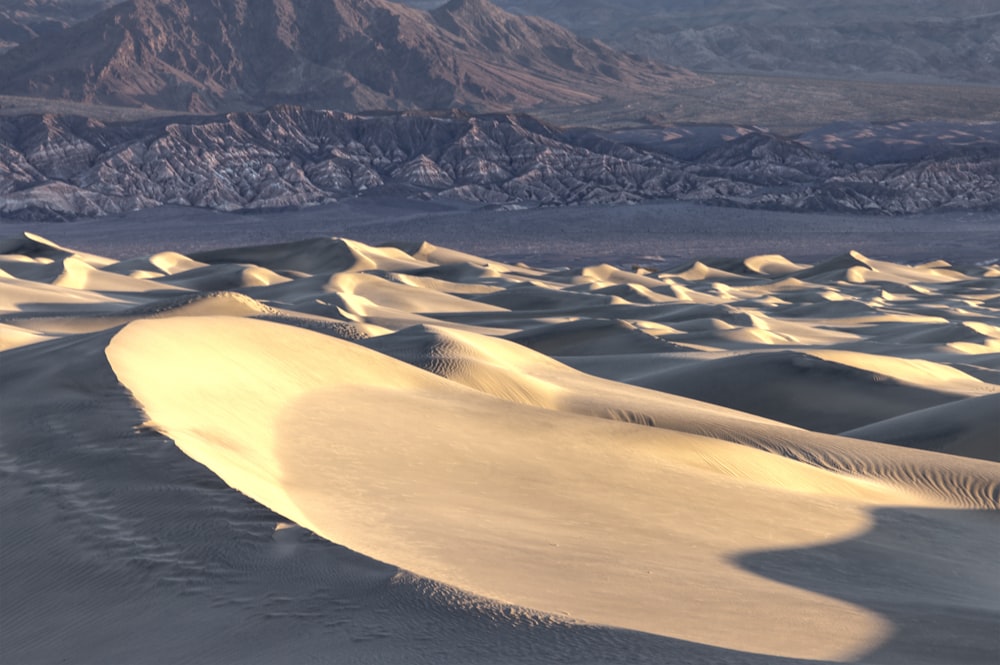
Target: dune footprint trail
544	438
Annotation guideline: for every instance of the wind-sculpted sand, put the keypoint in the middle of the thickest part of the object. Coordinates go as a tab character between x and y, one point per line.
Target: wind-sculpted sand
739	461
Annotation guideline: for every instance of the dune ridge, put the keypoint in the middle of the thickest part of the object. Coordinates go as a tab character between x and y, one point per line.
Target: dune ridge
603	446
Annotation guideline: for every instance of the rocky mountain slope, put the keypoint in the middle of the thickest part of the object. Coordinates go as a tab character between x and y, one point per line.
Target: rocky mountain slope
203	55
54	167
929	40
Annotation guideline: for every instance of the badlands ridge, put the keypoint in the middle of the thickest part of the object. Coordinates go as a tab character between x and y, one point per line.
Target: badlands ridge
745	461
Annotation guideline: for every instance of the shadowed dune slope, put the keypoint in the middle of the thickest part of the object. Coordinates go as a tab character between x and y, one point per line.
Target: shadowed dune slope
969	427
854	390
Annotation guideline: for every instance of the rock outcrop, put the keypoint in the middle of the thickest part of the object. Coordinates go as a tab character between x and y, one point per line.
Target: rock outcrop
55	167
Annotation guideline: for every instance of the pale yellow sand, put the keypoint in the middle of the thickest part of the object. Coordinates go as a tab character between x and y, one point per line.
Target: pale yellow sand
505	500
420	405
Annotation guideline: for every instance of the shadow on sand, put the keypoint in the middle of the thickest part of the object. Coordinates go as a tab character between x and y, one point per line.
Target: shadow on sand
934	573
150	538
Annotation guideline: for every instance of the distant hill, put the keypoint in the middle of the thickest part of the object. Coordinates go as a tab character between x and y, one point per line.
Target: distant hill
56	167
206	55
911	40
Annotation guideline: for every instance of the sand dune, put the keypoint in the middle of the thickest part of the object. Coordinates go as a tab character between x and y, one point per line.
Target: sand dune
969	427
485	494
734	461
852	389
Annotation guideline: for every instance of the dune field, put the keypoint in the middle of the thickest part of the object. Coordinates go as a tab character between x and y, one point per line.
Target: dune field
325	451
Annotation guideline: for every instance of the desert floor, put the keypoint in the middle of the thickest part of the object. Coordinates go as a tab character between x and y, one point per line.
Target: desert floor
770	440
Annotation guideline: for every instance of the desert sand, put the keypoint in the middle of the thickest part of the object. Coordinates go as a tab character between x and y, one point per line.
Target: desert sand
326	451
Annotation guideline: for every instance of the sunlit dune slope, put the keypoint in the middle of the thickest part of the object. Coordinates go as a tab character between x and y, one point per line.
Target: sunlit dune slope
506	500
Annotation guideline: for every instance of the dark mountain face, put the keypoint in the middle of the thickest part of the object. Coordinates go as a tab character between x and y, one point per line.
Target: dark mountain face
352	54
55	167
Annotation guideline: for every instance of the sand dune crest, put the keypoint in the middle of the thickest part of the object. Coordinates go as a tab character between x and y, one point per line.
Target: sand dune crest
524	476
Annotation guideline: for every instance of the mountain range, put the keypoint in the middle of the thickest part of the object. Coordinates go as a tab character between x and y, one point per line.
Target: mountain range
208	55
230	99
58	167
910	40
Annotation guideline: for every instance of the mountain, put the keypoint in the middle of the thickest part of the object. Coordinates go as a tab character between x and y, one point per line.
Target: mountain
957	49
204	55
912	40
57	167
